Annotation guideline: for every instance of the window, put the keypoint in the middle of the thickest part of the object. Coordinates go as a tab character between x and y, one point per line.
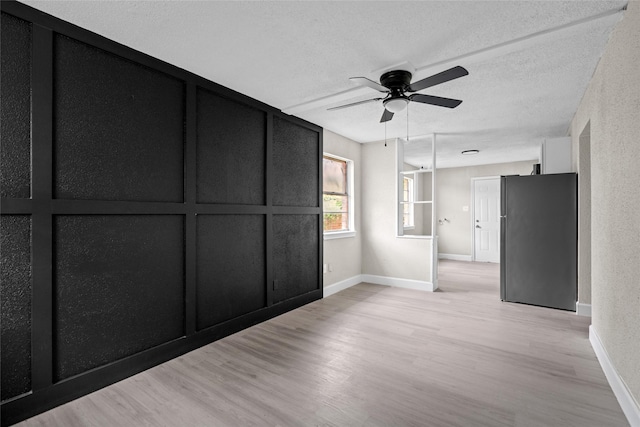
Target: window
408	200
337	196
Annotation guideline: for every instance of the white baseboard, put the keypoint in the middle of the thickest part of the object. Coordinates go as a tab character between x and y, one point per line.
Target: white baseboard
342	285
583	309
377	280
455	257
629	406
399	283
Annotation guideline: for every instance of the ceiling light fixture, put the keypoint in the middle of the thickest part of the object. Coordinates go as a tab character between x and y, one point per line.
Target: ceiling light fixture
395	105
470	152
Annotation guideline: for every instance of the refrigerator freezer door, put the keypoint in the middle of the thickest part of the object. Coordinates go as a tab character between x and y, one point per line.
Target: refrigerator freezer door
503	237
539	232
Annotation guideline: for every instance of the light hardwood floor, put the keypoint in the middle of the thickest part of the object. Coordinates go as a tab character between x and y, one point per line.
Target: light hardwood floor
376	356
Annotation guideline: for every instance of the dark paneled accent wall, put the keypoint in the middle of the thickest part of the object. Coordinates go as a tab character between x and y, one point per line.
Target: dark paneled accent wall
292	146
145	212
230	277
231	151
112	114
15	273
295	243
118	287
15	46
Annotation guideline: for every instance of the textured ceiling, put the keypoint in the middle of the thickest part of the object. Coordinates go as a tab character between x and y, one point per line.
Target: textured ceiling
529	61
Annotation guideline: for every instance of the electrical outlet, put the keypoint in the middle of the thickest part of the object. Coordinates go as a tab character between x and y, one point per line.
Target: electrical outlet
325	268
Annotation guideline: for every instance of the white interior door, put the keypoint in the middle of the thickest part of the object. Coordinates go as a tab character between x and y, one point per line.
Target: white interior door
486	219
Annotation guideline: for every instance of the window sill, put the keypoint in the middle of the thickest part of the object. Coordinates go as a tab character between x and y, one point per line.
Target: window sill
339	234
409	228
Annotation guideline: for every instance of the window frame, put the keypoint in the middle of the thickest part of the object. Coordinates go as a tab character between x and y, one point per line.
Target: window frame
351	230
410	203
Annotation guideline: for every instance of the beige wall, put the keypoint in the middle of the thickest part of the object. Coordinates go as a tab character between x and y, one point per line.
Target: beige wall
453	191
611	105
384	254
345	255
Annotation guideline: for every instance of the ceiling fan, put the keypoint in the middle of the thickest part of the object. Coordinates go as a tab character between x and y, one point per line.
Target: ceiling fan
397	83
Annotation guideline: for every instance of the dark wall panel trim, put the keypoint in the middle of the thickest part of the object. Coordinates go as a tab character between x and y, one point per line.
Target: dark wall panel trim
190	220
231	209
296	210
16	206
42	96
301	122
269	201
321	222
88	207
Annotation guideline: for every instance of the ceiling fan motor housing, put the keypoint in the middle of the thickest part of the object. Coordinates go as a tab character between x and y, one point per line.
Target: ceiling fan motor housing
397	81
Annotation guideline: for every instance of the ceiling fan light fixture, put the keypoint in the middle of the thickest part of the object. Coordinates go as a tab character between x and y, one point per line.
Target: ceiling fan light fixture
470	152
395	105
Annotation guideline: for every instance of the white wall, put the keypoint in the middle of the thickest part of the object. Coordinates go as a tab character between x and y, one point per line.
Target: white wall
453	191
345	255
383	254
611	105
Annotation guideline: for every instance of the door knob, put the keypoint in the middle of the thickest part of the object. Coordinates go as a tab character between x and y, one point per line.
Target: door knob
477	226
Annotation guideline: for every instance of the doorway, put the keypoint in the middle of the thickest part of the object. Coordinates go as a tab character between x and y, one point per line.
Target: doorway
485	196
584	221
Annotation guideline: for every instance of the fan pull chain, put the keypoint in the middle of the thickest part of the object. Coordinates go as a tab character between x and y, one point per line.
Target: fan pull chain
385	134
407	123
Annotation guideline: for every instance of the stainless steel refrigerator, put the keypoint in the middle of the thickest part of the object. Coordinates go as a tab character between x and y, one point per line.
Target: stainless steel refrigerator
538	240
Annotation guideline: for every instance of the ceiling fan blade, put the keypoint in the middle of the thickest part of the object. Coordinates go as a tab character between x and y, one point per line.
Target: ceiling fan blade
436	79
386	116
354	103
435	100
363	81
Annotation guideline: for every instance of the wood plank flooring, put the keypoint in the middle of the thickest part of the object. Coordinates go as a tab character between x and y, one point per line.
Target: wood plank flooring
376	356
